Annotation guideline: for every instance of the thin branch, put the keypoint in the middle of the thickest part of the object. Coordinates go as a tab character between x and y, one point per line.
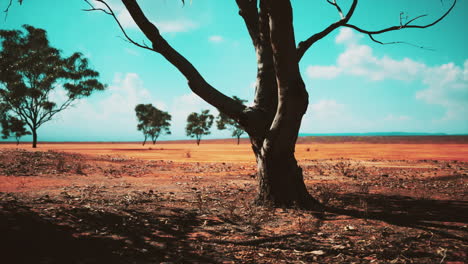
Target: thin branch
333	3
406	25
412	20
398	42
92	8
7	9
305	45
110	12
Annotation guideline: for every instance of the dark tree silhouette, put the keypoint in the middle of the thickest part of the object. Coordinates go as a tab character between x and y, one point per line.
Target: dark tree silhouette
199	124
13	127
152	122
281	98
225	122
30	69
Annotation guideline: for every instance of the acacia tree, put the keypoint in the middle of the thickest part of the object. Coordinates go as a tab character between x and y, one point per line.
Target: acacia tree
152	122
225	122
13	127
281	99
30	69
199	125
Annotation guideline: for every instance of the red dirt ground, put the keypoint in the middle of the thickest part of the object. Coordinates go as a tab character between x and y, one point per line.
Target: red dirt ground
176	202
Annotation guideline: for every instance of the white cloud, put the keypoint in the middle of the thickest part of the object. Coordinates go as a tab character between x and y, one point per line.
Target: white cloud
327	109
182	106
113	115
359	60
323	72
165	26
175	26
447	85
331	116
347	36
216	39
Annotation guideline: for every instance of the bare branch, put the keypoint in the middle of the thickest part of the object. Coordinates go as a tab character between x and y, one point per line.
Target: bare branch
305	45
7	9
402	26
412	20
111	12
398	42
333	3
92	8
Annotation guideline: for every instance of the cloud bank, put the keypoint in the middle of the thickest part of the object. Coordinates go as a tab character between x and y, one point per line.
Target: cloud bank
446	85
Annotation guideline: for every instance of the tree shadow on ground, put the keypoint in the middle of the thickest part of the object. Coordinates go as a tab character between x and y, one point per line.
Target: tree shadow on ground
97	236
67	234
437	216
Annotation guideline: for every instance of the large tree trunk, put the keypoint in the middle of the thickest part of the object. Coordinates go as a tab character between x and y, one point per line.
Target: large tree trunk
281	181
280	102
34	134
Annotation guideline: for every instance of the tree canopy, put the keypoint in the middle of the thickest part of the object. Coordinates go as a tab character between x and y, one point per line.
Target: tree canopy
152	122
30	70
199	124
225	122
13	127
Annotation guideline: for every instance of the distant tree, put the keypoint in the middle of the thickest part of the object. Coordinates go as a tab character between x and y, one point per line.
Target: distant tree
199	124
223	121
30	69
152	121
13	127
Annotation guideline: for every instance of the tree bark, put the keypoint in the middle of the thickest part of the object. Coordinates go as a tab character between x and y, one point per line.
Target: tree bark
34	134
280	101
238	140
281	181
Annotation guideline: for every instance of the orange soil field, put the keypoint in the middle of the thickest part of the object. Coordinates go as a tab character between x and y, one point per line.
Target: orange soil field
385	200
229	152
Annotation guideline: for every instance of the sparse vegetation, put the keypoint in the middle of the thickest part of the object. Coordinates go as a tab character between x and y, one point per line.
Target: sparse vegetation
199	124
189	215
152	122
225	122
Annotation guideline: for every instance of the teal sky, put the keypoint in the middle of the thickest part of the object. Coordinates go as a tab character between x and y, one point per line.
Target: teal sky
355	85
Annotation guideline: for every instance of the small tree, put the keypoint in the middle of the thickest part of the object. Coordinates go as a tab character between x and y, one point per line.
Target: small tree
30	69
13	127
199	125
152	121
225	122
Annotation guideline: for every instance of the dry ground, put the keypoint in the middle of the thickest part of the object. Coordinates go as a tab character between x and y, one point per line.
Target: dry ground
179	203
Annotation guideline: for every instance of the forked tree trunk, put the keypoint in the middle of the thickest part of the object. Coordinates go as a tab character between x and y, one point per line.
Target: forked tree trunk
280	102
280	178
